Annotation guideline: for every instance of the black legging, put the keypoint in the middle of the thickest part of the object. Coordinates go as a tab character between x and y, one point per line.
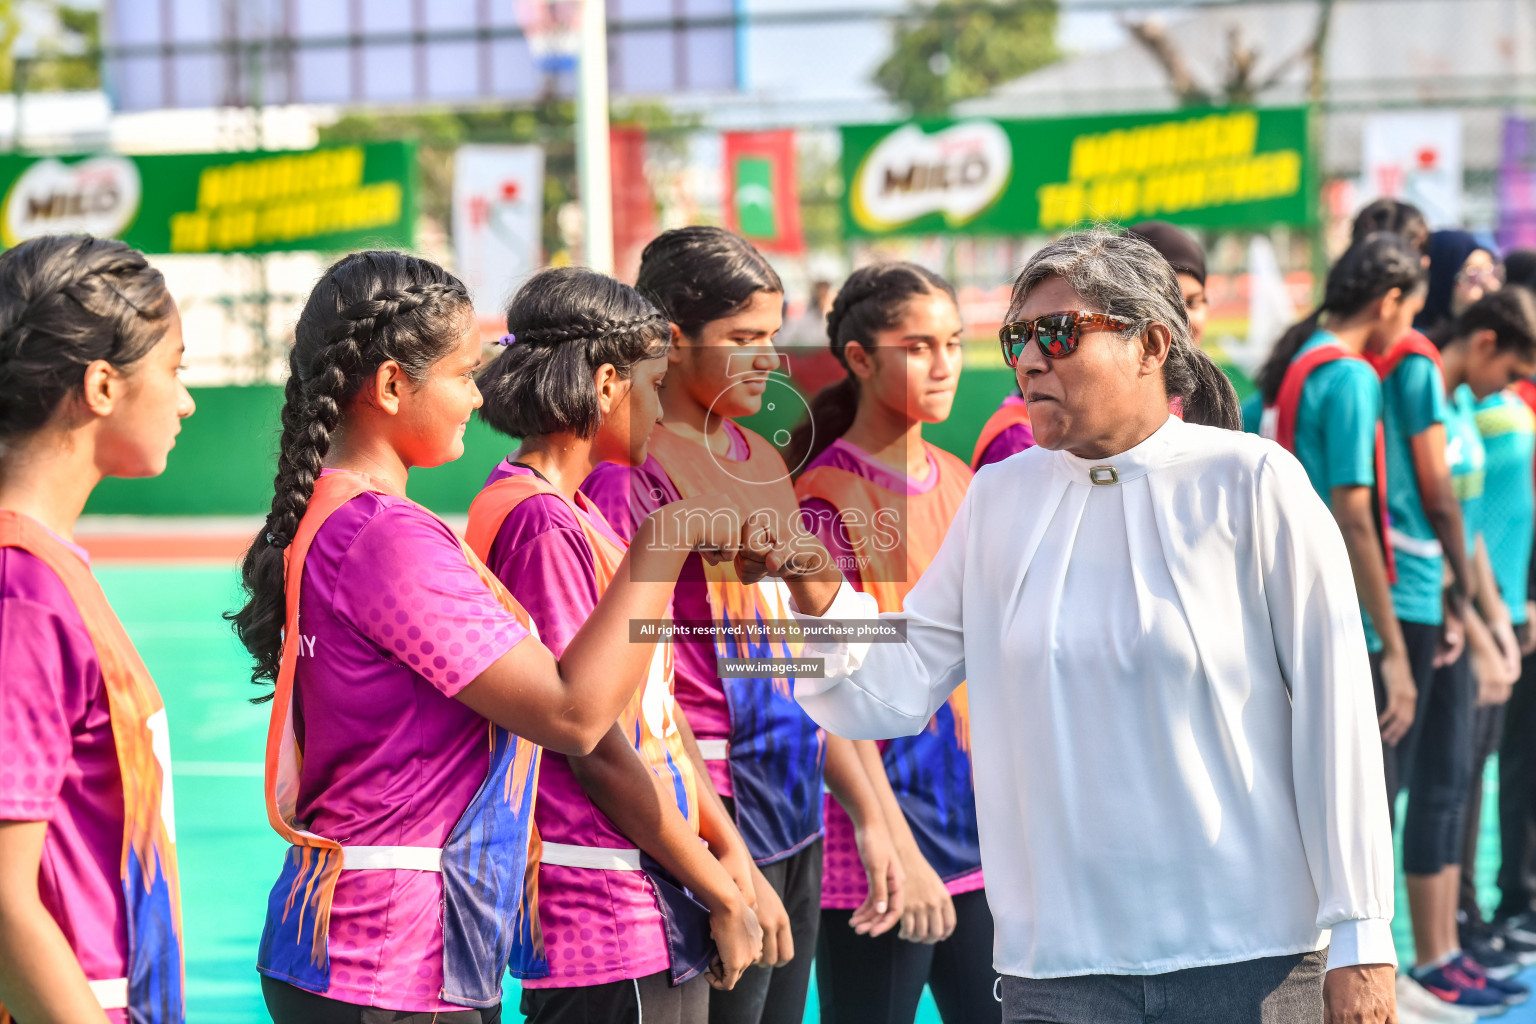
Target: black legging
880	981
289	1005
1441	772
1517	794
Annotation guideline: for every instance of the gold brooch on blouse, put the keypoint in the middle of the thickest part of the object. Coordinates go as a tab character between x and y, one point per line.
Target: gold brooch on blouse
1104	475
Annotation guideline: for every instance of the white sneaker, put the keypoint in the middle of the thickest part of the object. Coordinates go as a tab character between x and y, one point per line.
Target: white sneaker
1417	1005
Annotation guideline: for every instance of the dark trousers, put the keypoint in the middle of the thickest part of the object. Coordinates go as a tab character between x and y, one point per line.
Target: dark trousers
1272	990
860	980
776	995
1441	772
1487	728
289	1005
652	1000
1421	641
1517	795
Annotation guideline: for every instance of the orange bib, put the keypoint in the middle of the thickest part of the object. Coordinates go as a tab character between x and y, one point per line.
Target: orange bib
147	868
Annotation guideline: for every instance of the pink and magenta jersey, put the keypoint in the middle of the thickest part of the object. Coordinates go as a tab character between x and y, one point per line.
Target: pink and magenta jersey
393	624
844	885
599	926
1007	432
58	761
626	495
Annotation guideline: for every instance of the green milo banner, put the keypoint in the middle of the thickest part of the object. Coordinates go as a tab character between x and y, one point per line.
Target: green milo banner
1222	168
341	197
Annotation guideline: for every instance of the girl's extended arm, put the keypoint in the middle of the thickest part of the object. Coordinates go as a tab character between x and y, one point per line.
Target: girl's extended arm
569	704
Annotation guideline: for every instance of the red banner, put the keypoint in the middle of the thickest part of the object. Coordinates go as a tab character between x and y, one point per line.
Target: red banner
762	189
634	207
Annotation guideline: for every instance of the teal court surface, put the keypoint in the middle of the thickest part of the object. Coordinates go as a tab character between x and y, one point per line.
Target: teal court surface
229	856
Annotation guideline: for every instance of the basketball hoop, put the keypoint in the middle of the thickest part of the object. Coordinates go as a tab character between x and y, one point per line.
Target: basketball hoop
553	31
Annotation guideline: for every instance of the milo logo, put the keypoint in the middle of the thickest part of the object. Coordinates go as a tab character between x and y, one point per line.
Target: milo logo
99	196
959	172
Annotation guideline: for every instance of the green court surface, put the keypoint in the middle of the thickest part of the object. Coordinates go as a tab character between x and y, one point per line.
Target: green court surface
229	856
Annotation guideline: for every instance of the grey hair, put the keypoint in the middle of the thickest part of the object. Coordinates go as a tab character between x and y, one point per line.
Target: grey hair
1120	274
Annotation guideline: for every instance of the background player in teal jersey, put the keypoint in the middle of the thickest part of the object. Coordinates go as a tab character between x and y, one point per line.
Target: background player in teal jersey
1508	517
1485	349
1371	297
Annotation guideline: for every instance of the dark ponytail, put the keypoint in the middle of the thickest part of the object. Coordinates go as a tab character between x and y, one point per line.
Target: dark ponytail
566	323
1393	215
370	307
871	300
65	302
698	274
1367	271
1510	313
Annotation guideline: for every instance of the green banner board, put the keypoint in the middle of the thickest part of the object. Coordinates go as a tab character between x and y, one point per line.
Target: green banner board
340	197
1226	168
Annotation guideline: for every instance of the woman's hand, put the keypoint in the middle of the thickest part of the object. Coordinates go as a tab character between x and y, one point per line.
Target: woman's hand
882	907
738	941
765	552
1361	994
1402	696
1526	633
928	913
778	943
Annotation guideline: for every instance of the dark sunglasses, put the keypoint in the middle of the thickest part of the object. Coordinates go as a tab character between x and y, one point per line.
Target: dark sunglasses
1057	334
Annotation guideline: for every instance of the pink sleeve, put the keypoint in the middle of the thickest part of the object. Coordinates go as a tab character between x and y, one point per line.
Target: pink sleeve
625	495
406	585
1009	443
542	557
46	664
822	519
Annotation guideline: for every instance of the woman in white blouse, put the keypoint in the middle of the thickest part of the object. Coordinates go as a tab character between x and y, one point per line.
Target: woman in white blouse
1178	767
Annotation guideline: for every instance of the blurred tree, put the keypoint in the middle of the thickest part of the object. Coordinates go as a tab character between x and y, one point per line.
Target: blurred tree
68	57
10	28
952	50
1241	83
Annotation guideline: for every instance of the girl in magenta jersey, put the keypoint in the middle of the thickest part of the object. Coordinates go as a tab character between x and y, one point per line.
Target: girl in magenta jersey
578	382
757	748
410	696
869	474
90	924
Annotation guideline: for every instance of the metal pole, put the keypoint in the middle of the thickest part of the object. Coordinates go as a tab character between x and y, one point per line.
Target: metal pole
593	176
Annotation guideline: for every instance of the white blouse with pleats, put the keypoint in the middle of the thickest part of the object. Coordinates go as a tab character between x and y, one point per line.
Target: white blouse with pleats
1176	753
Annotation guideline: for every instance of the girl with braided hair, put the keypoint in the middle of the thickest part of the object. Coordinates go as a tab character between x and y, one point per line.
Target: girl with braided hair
881	499
762	813
578	382
412	696
90	922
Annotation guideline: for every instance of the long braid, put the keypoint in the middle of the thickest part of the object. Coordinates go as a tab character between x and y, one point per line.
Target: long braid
339	342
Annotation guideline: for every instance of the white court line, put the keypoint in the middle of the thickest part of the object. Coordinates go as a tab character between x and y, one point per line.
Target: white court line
225	769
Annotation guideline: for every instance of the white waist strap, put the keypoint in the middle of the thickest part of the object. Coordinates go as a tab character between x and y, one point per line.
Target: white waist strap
391	858
112	994
601	858
1413	545
714	750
